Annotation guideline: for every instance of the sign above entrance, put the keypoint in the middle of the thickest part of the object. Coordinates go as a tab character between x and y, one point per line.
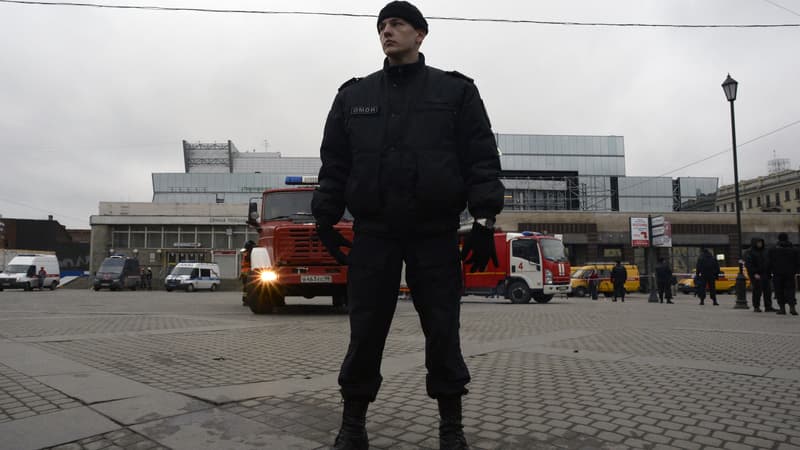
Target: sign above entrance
186	244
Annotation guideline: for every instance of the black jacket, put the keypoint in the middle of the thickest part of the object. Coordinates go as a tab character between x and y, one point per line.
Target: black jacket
756	259
783	259
663	273
619	275
407	149
707	267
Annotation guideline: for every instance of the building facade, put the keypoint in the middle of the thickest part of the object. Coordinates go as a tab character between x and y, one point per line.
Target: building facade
575	186
775	193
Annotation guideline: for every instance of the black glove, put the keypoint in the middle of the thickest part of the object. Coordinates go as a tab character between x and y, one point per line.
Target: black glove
333	241
480	242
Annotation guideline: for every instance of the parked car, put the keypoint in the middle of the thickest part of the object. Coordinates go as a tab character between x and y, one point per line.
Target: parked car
22	272
193	276
726	281
118	272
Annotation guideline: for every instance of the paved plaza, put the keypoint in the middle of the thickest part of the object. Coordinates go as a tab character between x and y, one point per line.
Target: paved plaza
153	370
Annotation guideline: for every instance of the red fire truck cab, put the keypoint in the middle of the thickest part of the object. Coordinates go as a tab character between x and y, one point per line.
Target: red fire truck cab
530	265
289	259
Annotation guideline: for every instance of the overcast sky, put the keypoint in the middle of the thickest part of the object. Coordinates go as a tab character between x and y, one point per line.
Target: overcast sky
92	101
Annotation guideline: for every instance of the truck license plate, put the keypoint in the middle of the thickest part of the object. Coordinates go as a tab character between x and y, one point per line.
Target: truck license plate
316	278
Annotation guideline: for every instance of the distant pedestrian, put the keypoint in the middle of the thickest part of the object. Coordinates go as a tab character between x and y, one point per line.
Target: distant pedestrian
42	275
707	272
784	263
758	271
618	277
594	280
148	278
664	280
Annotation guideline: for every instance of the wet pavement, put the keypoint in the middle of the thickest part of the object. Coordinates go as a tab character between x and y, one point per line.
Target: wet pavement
150	370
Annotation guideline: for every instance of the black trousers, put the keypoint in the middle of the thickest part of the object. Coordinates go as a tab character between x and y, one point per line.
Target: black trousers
784	289
710	284
664	290
619	290
761	287
433	275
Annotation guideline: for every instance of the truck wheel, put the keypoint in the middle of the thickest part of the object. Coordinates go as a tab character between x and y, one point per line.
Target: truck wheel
189	287
259	303
53	285
541	298
28	286
213	287
579	291
169	289
519	293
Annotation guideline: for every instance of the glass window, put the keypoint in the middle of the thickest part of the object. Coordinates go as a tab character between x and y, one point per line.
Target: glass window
204	239
777	198
221	239
525	249
154	237
553	249
766	197
797	194
749	203
137	240
170	238
758	201
205	273
786	196
724	208
119	239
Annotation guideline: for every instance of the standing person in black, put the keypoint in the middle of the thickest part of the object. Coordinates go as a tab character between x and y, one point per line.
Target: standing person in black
784	264
707	272
406	150
664	280
757	269
618	278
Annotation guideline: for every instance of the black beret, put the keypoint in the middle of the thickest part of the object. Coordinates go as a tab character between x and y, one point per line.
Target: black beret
405	11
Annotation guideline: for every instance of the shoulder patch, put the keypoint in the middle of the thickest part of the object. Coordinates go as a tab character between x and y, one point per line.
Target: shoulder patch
349	82
460	75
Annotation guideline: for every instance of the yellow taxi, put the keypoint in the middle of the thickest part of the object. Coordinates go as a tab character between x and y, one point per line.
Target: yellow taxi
726	281
580	279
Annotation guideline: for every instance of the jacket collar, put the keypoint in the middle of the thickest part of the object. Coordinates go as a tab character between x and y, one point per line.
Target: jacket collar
404	70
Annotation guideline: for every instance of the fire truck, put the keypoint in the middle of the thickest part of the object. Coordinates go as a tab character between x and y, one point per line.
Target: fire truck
289	259
530	265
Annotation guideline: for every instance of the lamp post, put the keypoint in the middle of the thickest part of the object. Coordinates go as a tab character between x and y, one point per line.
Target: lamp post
729	86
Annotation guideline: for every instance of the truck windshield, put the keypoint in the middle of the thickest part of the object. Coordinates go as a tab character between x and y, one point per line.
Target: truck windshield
16	268
553	249
289	205
112	265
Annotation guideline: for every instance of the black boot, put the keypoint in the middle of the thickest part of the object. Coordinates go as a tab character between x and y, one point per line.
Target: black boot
781	309
353	433
451	430
792	310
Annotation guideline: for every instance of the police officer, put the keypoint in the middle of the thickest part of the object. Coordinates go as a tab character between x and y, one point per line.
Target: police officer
707	269
406	150
783	261
619	275
758	271
664	280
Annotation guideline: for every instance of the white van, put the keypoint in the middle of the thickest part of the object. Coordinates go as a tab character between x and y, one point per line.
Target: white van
22	272
193	276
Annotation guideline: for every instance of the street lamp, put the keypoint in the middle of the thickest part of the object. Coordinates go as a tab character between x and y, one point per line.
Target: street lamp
729	86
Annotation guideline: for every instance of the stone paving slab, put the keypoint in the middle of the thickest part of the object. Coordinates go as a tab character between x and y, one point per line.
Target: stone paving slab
146	408
53	429
217	429
115	440
23	396
96	386
95	324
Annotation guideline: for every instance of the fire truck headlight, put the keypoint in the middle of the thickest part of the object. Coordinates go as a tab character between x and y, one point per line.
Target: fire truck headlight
268	276
548	276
